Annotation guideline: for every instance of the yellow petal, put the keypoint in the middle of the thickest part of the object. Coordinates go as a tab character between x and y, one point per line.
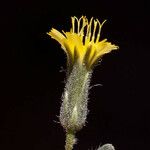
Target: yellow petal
105	47
73	41
55	34
102	48
92	52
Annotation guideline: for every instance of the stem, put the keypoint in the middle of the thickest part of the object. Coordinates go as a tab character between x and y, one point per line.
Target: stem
70	140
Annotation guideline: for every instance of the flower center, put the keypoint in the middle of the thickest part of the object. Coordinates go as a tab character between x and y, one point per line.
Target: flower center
88	31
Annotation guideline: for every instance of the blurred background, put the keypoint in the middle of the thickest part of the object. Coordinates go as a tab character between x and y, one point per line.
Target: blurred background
33	75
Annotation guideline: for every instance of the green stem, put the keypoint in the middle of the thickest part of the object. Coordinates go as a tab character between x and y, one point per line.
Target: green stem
70	140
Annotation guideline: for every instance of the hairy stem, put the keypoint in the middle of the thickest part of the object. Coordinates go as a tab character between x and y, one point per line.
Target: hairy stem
70	140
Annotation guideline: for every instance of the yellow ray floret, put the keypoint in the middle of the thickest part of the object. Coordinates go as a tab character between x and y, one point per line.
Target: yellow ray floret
82	44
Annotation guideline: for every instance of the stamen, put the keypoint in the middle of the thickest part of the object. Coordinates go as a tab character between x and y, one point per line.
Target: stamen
88	33
84	24
99	32
79	22
73	24
86	36
76	21
95	25
78	26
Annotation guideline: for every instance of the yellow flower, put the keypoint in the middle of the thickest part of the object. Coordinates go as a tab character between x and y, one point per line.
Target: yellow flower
82	44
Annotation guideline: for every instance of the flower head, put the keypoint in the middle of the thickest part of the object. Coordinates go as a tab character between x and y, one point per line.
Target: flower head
82	44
